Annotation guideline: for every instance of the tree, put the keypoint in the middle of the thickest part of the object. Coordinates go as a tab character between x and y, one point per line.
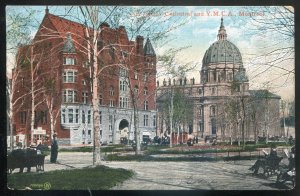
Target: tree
170	67
140	23
17	32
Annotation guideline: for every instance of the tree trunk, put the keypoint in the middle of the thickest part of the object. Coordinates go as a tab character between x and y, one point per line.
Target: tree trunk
32	99
171	118
136	130
96	116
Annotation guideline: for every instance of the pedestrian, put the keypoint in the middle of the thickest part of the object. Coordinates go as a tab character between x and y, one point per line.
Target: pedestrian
39	148
54	149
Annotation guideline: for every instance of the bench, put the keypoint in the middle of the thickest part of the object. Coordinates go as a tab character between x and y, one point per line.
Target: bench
269	165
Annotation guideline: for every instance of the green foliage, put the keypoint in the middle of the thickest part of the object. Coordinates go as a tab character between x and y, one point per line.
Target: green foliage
109	148
98	178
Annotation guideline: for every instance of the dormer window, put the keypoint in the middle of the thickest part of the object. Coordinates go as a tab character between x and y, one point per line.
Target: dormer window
69	61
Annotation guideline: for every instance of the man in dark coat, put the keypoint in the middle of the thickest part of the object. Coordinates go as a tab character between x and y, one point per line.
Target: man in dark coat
54	150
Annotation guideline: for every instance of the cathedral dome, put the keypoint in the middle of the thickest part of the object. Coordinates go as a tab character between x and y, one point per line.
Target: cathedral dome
222	51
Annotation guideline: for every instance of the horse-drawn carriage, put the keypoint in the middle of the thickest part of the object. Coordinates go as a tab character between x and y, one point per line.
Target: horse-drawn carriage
22	158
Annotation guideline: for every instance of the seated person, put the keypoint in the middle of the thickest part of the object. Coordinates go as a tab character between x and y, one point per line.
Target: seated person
269	159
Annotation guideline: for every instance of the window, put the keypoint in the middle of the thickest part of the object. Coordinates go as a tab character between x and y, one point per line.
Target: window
212	110
213	90
135	75
123	85
63	116
111	103
101	100
85	64
123	72
69	96
69	61
237	88
145	91
70	115
214	76
83	116
89	117
146	120
126	102
110	119
136	90
154	121
229	77
201	112
85	97
70	76
145	105
146	75
111	91
44	117
76	115
200	91
83	82
123	102
89	136
23	117
100	114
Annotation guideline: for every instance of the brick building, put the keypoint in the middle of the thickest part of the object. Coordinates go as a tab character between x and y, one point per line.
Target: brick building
57	68
223	103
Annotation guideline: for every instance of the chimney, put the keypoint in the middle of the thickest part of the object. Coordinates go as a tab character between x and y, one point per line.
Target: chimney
104	24
139	44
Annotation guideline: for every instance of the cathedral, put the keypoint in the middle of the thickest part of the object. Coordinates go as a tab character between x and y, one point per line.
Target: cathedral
223	106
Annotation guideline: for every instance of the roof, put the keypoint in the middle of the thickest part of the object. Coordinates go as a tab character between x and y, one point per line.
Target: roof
263	94
148	49
62	27
222	51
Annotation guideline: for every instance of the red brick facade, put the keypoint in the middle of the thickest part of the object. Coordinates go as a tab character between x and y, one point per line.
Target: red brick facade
69	72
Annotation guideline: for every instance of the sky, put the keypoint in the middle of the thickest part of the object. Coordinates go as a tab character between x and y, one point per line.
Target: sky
199	31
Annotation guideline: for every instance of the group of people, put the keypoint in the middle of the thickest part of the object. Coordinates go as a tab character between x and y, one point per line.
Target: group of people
39	148
272	158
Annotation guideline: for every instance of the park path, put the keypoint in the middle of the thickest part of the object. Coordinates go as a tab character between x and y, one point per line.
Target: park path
231	175
216	175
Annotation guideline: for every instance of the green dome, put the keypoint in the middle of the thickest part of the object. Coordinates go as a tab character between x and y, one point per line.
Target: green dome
222	51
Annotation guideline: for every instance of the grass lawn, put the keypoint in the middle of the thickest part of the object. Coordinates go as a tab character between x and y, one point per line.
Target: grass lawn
97	178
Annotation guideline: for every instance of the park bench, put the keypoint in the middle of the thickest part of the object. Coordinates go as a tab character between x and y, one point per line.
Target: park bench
28	158
269	165
287	172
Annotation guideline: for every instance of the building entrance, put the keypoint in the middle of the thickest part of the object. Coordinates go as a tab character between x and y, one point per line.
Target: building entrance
124	132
